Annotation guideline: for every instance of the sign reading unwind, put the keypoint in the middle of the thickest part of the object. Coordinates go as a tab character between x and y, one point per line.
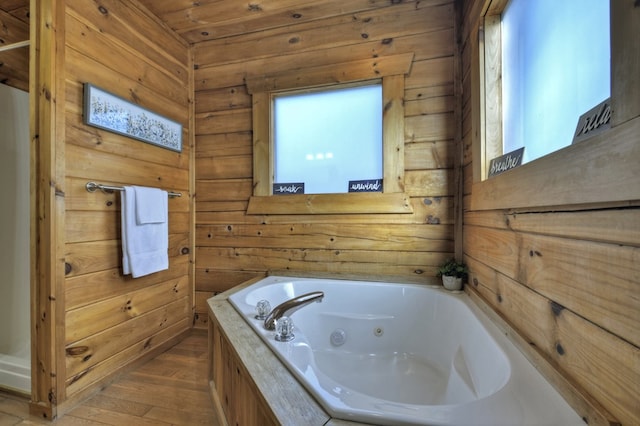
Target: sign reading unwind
369	185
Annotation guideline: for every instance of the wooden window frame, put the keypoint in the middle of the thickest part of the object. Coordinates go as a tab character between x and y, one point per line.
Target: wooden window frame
391	71
490	45
601	169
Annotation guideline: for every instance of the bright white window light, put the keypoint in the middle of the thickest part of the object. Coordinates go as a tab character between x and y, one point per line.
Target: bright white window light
555	67
327	138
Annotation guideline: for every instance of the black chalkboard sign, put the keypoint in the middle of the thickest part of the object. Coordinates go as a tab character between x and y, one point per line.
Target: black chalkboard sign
593	121
506	162
288	188
370	185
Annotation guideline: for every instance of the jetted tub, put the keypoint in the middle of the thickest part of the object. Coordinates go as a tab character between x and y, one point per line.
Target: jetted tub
402	354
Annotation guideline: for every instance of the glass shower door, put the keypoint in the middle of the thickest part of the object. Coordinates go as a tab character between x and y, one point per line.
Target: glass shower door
15	329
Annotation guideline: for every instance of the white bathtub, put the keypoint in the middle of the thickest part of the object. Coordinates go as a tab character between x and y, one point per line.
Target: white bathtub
15	373
410	355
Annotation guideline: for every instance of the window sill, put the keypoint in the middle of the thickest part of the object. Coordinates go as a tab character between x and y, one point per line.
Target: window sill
601	169
349	203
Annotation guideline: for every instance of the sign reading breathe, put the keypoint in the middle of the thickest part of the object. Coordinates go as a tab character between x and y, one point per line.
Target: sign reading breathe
506	162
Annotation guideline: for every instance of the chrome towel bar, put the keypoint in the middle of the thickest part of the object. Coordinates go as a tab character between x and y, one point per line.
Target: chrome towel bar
93	187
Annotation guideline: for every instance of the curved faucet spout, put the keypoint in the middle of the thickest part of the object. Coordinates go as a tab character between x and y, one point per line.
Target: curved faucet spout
290	306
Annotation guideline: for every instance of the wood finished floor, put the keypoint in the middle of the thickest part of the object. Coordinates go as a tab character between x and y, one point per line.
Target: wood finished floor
170	389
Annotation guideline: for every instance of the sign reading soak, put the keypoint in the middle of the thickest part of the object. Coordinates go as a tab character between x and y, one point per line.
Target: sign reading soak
288	188
371	185
593	121
506	162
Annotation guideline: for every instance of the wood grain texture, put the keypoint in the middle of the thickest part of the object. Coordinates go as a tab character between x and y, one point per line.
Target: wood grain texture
79	292
393	131
541	241
384	22
363	202
243	372
607	162
346	72
625	62
553	245
429	45
47	133
405	238
169	389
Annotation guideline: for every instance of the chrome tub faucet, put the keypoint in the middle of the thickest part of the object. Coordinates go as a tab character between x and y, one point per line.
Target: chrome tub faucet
290	306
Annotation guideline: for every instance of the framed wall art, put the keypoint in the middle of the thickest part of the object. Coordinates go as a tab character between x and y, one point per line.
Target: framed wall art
110	112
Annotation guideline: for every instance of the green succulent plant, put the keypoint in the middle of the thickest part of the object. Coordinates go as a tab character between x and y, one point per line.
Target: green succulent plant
453	268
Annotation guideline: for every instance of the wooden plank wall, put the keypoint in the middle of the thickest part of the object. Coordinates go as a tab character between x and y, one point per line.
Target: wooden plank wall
565	276
233	246
46	109
14	28
111	320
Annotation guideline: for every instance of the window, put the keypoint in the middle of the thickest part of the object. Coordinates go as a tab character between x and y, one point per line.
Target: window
354	75
546	64
599	170
328	138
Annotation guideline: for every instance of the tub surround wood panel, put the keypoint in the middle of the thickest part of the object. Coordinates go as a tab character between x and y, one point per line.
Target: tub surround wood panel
104	322
553	246
407	244
264	390
235	392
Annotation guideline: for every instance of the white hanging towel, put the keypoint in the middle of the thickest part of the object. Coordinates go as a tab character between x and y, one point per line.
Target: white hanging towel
145	231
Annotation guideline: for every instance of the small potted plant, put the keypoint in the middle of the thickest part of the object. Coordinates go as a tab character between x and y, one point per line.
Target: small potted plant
452	273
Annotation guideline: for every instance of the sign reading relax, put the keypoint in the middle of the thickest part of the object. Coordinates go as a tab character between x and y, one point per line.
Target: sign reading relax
593	121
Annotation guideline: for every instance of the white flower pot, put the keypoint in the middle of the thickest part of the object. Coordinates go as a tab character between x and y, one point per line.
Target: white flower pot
452	283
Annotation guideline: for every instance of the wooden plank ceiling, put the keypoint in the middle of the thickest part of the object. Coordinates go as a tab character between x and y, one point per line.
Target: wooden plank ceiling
203	20
195	21
14	27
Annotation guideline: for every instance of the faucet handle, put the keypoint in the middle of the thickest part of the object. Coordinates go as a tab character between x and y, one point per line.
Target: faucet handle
284	329
263	308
